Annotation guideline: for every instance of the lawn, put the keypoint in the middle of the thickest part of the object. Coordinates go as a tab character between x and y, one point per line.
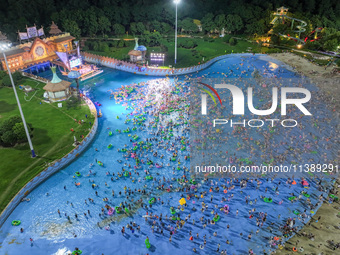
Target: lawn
52	138
189	57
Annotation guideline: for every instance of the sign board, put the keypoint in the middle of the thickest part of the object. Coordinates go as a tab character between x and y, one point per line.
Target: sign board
60	105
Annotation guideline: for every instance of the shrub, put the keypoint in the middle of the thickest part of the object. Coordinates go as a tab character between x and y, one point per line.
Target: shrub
8	138
206	38
164	48
188	43
2	74
226	38
315	45
121	44
96	46
17	77
72	102
104	47
12	131
232	41
89	44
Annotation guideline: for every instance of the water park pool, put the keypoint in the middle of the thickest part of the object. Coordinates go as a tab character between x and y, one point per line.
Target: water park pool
245	219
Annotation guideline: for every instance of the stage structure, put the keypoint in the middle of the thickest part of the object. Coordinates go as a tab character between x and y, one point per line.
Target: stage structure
73	62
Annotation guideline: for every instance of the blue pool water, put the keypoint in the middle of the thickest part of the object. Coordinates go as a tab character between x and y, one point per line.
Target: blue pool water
54	234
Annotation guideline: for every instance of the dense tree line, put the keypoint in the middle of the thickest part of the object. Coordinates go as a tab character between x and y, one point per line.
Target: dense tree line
150	18
116	17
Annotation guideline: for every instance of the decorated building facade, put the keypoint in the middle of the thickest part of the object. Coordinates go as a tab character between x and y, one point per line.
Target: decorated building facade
36	50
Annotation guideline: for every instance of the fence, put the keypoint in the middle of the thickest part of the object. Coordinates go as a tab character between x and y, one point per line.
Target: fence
35	77
53	168
132	68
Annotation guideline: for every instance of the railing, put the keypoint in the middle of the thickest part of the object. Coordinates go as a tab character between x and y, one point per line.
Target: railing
132	68
53	168
35	77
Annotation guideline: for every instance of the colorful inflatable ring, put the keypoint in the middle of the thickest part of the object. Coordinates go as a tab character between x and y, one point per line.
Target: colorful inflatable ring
152	200
16	222
296	212
117	209
225	191
268	200
193	182
306	194
216	219
334	197
78	252
291	198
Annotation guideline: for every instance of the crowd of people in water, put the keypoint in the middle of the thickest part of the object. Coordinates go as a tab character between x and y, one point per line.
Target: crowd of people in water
166	130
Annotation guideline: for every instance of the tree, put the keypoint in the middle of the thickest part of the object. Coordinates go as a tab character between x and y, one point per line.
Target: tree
17	76
140	28
8	138
104	24
166	28
208	24
234	23
255	27
278	30
90	22
188	25
2	74
155	26
331	45
315	45
19	132
152	39
8	124
12	131
220	21
118	29
133	28
72	27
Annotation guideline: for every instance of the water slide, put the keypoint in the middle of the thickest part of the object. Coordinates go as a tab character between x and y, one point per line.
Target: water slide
301	28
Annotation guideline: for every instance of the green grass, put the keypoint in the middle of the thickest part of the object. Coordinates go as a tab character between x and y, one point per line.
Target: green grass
189	57
52	138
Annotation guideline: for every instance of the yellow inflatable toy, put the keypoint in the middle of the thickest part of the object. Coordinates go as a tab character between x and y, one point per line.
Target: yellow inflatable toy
182	201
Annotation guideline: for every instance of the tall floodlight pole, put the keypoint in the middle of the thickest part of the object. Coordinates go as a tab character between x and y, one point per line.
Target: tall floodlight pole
3	47
176	3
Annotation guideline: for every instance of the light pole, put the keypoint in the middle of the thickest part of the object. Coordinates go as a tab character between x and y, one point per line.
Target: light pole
3	47
176	3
